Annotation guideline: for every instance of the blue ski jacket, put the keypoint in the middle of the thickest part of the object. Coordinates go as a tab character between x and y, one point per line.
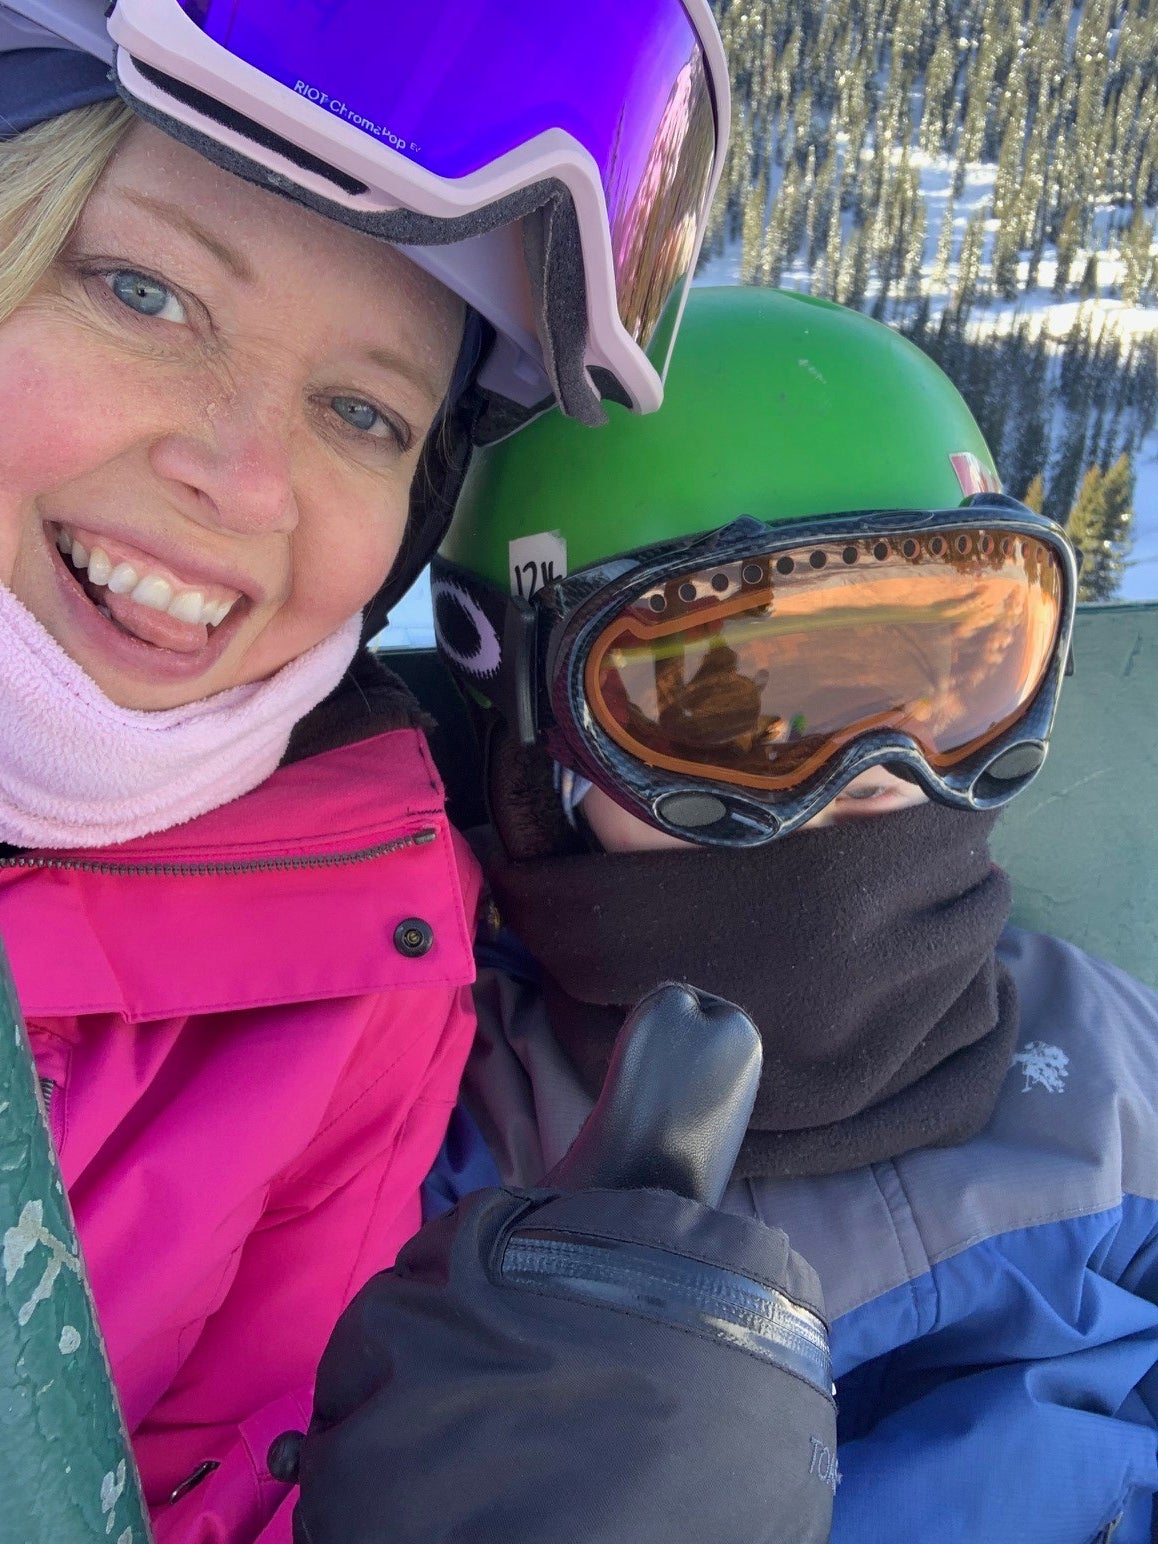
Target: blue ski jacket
994	1306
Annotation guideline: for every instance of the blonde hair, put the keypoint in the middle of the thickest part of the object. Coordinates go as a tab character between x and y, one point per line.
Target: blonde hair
46	174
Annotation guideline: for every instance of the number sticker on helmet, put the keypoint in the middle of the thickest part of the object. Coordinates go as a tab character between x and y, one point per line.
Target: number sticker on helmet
536	561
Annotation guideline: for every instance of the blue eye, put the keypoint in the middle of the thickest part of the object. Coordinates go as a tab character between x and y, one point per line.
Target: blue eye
358	414
148	297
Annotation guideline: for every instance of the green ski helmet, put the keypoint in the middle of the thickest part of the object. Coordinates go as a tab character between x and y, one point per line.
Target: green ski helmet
778	405
792	426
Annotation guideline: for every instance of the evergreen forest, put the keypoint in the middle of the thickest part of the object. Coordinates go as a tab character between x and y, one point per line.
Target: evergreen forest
853	120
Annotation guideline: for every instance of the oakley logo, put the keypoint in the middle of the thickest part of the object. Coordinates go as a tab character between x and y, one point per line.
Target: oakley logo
464	631
973	475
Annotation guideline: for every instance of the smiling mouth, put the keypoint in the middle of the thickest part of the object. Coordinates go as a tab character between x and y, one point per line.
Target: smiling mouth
148	606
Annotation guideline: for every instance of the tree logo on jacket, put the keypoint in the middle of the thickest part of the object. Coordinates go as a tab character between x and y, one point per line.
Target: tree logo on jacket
1045	1066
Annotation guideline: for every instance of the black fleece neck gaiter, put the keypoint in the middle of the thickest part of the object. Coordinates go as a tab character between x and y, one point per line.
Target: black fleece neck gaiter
864	952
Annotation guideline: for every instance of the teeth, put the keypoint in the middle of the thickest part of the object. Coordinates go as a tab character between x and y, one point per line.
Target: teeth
153	592
189	606
146	590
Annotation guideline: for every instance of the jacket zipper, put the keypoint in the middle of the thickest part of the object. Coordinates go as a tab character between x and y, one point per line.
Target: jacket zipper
719	1304
30	860
49	1088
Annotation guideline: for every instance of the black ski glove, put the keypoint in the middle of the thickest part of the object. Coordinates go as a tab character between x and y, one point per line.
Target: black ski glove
603	1360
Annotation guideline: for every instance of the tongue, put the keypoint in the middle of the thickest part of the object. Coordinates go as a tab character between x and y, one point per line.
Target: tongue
155	627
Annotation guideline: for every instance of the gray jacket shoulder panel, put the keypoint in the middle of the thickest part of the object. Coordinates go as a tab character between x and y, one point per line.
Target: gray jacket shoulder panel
518	1085
1075	1128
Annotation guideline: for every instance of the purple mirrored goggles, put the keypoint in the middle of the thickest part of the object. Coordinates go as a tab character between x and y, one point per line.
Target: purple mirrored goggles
552	161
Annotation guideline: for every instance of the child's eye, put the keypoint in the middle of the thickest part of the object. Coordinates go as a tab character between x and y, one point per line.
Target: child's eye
365	418
148	297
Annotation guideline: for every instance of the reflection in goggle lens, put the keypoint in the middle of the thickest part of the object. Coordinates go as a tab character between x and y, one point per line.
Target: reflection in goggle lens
757	672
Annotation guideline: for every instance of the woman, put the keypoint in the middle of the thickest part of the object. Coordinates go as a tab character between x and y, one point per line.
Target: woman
231	428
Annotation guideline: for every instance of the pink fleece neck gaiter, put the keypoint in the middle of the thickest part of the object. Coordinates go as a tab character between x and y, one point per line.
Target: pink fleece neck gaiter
78	771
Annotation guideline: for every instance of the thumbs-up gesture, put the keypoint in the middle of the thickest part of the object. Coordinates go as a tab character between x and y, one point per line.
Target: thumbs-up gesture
606	1359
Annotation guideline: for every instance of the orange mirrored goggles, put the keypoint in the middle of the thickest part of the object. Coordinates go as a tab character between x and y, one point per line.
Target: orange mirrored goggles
757	672
726	687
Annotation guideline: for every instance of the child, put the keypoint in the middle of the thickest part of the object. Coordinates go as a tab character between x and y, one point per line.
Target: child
753	729
231	431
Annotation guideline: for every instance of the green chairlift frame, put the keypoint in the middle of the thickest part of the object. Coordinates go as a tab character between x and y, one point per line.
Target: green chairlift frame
1081	843
67	1474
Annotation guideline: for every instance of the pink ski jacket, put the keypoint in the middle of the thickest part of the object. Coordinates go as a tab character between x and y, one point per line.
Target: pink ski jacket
250	1031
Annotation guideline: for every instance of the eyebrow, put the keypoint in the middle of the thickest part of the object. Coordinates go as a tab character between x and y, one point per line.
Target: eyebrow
400	364
174	215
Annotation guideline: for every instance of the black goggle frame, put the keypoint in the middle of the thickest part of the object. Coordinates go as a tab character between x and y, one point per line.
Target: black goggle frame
544	645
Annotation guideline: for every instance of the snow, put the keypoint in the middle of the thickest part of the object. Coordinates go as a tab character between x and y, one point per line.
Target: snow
1140	581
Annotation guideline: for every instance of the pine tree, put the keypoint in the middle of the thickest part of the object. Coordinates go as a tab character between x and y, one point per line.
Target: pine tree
775	249
940	275
1144	395
938	85
915	257
1099	524
1086	526
755	216
1066	470
854	270
969	268
1034	495
1025	460
1006	256
1067	249
1136	258
832	248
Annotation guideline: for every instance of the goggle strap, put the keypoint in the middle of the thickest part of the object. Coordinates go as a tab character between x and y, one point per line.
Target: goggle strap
520	657
490	641
553	249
